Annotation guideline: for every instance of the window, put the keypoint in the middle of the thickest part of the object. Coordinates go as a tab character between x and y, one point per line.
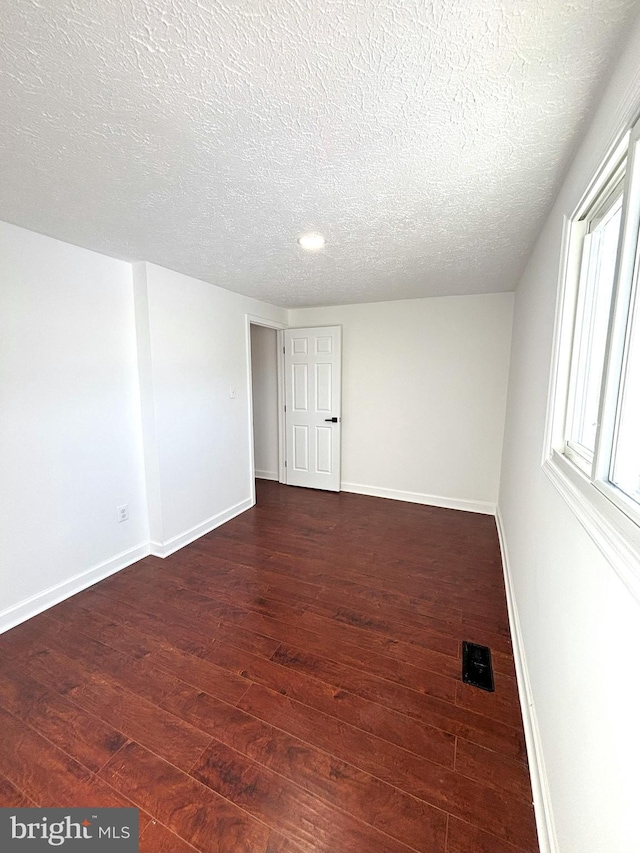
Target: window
625	467
592	451
598	262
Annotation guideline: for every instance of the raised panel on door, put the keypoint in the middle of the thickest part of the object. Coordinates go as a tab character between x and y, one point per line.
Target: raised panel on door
300	447
324	442
323	388
313	407
323	344
300	382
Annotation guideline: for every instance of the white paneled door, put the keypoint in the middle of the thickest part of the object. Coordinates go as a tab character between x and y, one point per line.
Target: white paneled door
312	362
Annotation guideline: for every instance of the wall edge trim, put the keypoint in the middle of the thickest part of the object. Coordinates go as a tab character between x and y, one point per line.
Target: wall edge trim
35	604
543	810
462	504
267	475
164	549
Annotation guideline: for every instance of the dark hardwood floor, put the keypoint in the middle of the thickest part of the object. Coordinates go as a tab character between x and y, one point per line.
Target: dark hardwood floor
289	682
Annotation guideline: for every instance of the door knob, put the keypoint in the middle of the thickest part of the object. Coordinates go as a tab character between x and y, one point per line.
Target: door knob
331	420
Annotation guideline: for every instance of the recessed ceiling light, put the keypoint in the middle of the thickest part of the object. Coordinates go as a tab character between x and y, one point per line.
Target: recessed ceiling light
311	242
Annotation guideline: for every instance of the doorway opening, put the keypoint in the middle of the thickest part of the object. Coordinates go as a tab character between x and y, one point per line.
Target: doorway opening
264	375
266	400
294	404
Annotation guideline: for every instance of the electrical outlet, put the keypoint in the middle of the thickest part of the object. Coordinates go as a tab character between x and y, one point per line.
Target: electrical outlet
123	512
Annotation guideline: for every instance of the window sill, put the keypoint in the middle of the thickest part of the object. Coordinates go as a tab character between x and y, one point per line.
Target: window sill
616	535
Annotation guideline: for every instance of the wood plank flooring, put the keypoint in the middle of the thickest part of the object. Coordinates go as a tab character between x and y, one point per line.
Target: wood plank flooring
289	682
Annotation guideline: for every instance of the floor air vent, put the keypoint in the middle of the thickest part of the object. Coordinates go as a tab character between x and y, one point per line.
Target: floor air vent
476	666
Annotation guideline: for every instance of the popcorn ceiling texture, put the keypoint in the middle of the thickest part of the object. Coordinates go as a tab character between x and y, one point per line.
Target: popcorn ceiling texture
424	139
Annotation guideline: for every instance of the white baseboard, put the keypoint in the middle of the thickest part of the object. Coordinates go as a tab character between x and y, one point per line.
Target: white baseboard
30	607
17	613
267	475
418	498
539	782
163	549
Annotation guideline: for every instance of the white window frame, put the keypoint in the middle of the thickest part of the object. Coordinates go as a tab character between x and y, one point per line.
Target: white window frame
578	453
607	514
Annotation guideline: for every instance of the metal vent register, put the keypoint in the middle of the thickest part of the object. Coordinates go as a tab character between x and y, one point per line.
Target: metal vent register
477	669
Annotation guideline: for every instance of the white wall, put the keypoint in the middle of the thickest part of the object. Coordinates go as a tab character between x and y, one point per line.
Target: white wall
580	625
75	328
69	421
424	395
198	437
264	371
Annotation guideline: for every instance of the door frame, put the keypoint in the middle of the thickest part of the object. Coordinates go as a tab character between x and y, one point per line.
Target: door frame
255	320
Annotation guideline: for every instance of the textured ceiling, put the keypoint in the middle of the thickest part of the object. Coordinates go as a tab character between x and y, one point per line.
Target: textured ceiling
424	139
